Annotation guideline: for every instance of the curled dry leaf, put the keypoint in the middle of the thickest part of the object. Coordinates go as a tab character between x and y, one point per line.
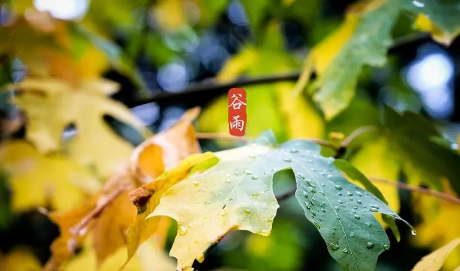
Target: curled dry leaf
109	214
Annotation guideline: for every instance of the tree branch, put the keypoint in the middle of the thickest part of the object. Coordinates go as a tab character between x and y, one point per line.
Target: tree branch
214	87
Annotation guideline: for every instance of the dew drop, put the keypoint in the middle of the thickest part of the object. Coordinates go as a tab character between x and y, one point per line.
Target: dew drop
359	193
301	175
329	176
247	211
350	194
333	246
351	199
305	194
357	217
352	234
414	232
183	230
255	195
294	150
270	220
310	160
359	201
338	187
374	206
372	209
312	169
312	202
369	245
255	177
287	159
386	247
196	183
323	210
248	172
236	173
311	189
311	183
313	214
367	224
341	202
340	194
227	180
207	202
307	205
345	250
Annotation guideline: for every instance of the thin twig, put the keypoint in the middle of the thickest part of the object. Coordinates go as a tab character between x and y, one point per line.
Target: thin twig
77	229
418	189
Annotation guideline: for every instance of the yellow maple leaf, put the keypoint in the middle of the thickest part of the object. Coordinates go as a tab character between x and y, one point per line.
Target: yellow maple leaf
435	260
423	23
39	180
218	203
19	259
51	105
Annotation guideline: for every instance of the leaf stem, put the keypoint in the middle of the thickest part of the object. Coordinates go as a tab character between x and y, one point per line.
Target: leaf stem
80	227
356	133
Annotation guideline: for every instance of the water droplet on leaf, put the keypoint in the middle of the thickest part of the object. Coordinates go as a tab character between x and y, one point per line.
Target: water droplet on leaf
333	246
369	245
183	230
338	187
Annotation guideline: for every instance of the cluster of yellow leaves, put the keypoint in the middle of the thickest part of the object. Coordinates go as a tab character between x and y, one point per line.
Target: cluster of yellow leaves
109	214
269	106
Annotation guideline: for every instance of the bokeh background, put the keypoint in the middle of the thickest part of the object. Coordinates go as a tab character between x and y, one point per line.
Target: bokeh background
174	50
